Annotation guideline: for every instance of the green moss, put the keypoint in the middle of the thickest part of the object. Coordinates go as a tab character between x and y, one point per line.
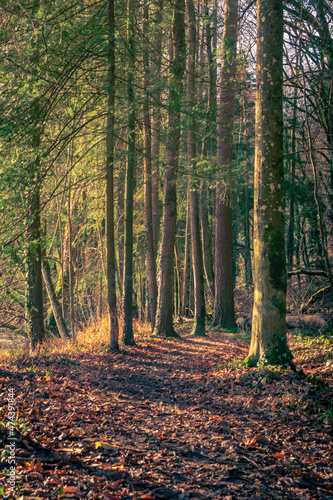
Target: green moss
198	329
274	357
280	305
275	253
251	361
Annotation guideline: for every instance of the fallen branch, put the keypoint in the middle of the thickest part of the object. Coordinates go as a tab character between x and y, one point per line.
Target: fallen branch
316	296
308	272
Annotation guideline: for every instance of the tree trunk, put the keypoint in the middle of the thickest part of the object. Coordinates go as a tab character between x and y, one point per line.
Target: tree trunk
211	43
224	286
269	342
150	253
110	139
178	286
120	228
70	268
247	238
197	259
128	336
206	240
34	303
186	257
291	227
209	147
164	320
156	123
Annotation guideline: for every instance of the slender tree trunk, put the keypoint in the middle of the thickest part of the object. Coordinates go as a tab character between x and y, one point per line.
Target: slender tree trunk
206	240
247	238
178	286
269	341
56	307
156	122
224	286
209	146
248	207
70	269
34	303
120	228
110	139
164	320
150	253
128	336
197	259
186	257
100	298
291	227
211	44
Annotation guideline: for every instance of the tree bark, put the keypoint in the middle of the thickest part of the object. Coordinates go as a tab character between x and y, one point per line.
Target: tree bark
128	336
164	320
224	286
209	146
269	342
110	139
247	238
150	252
34	303
186	257
291	227
206	239
156	123
70	268
197	259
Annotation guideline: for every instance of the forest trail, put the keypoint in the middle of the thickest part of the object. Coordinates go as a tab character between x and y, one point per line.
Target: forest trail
169	419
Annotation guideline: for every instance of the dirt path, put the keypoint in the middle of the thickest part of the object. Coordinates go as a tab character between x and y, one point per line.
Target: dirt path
169	419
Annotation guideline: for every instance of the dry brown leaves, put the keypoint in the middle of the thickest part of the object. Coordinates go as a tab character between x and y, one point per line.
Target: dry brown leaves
169	419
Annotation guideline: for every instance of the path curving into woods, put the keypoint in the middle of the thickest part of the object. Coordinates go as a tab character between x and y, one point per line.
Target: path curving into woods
169	419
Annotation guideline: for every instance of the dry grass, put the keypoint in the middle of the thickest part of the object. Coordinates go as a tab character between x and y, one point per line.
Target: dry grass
93	338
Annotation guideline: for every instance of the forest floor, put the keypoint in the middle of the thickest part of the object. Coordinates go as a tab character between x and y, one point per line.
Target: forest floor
170	419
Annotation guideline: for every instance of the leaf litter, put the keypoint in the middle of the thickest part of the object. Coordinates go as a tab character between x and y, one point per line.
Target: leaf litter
171	419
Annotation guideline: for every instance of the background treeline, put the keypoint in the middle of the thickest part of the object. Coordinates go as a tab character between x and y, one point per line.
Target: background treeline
120	105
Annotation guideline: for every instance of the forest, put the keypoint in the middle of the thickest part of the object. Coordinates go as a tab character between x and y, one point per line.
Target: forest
166	246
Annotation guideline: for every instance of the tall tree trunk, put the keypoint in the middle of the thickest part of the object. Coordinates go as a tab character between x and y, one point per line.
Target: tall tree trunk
291	227
156	122
269	341
211	43
164	320
247	238
209	146
70	268
150	253
34	302
248	207
206	239
110	139
224	286
120	228
128	336
186	256
197	259
178	285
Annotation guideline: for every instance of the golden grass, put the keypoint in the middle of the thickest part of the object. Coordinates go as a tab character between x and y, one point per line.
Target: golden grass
92	338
